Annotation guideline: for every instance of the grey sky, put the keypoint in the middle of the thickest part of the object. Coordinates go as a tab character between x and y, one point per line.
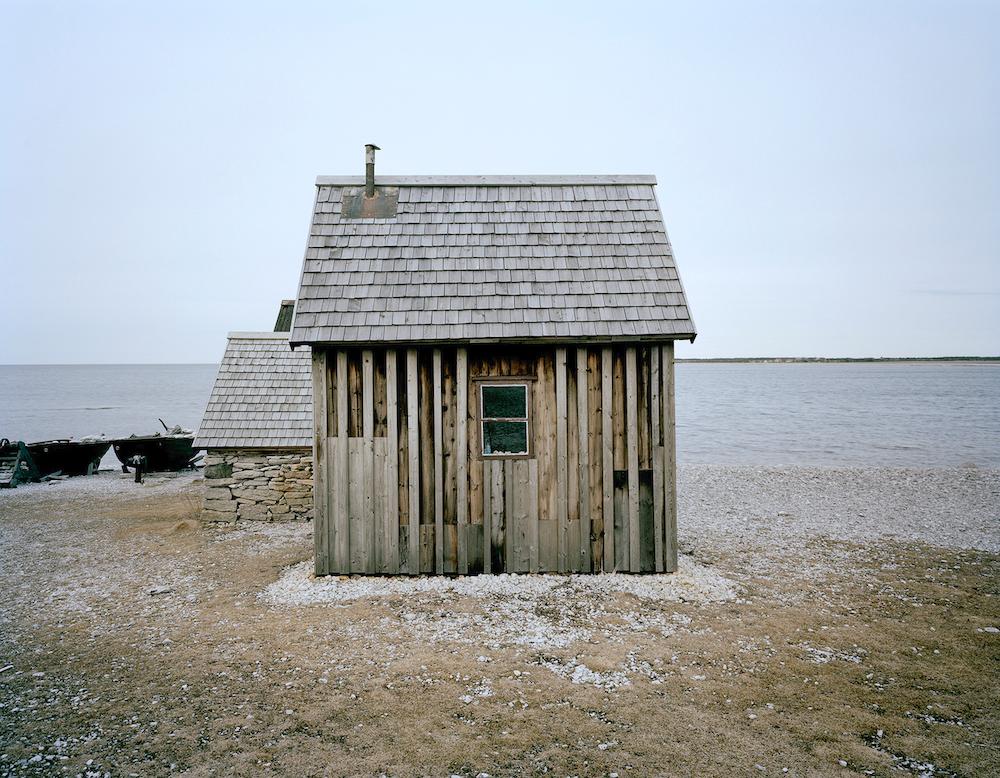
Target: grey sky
829	172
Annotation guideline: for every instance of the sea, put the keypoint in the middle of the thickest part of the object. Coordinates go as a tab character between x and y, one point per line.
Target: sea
911	414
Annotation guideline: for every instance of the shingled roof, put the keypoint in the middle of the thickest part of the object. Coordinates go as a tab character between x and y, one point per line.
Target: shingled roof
490	258
262	397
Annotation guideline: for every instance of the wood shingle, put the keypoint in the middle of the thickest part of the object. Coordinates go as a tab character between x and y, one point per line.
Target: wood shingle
491	258
262	397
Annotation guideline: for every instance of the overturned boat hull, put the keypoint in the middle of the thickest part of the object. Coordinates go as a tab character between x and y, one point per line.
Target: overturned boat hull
162	452
68	457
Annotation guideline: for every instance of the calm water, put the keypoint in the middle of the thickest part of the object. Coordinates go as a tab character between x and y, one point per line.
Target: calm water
834	414
40	402
925	415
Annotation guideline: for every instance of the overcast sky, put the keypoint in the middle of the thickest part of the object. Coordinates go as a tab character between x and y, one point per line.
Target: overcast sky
829	172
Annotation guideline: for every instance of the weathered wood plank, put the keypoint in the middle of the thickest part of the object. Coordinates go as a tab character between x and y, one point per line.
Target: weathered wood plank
369	551
376	552
583	455
562	472
390	556
487	518
632	445
544	434
670	461
438	466
572	456
509	523
413	453
321	452
462	456
533	515
547	546
449	461
595	458
655	409
608	474
341	522
497	519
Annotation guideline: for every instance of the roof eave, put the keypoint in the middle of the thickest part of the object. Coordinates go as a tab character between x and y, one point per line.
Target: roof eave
542	341
524	180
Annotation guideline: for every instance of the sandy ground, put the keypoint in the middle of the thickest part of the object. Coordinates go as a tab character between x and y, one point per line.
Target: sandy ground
825	622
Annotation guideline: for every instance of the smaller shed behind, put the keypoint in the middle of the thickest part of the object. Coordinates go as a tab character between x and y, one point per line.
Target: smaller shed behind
257	430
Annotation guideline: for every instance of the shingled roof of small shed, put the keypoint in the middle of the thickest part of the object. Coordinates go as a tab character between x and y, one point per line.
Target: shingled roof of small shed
262	397
513	258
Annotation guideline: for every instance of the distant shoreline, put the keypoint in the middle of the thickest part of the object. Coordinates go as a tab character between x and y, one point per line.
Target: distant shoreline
837	360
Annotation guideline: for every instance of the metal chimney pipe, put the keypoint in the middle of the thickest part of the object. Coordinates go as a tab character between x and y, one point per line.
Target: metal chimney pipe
370	149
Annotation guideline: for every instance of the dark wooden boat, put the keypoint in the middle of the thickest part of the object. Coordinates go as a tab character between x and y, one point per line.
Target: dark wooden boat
171	450
68	457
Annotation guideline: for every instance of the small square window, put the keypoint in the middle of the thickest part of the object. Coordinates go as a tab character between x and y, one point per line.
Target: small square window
504	419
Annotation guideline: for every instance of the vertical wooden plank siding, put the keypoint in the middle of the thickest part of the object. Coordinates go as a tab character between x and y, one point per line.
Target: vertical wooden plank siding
367	553
399	486
498	522
608	476
438	467
656	447
487	516
632	457
583	455
509	528
341	518
562	473
390	556
670	460
533	515
413	451
462	455
321	493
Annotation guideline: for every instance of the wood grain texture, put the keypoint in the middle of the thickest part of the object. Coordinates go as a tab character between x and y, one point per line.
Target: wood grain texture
655	410
413	454
487	517
632	458
438	465
462	456
341	521
390	556
321	492
368	547
607	455
562	471
670	461
583	456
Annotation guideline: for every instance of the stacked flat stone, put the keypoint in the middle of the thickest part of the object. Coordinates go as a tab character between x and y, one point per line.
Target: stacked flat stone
249	485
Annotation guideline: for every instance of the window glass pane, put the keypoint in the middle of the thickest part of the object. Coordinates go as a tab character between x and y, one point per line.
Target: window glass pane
505	437
505	402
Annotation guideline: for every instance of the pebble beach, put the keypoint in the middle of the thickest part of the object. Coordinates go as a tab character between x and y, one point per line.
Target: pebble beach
237	658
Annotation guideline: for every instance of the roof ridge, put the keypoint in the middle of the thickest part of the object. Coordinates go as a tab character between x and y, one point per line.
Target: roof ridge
517	180
242	335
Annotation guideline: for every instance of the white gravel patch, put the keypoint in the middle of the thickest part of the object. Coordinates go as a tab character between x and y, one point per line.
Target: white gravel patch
531	612
691	583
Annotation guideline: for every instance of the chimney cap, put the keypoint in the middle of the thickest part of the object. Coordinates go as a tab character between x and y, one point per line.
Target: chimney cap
372	147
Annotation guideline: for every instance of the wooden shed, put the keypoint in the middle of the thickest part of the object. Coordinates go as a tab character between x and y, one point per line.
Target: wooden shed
493	374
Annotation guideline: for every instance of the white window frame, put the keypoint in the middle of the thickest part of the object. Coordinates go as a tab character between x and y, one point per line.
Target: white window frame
526	419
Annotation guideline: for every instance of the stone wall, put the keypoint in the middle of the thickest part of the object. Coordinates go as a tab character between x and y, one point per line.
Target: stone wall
258	485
